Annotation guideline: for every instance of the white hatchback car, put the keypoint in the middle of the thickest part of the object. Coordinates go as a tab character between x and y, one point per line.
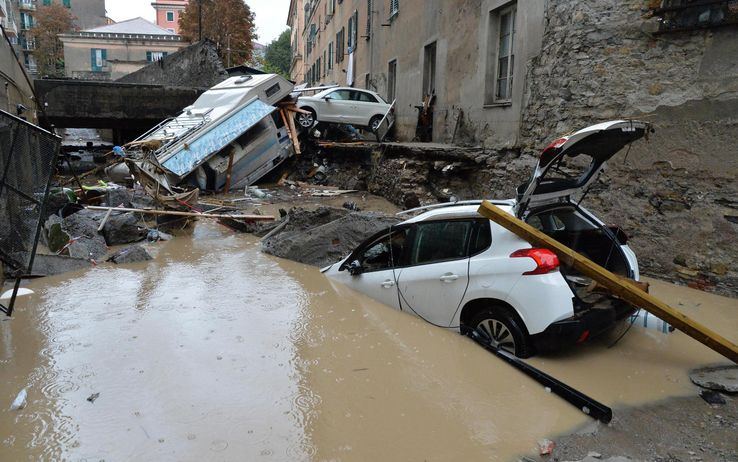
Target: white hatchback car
344	105
458	270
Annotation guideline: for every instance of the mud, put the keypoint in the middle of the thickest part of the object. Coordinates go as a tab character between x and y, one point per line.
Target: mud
215	350
322	236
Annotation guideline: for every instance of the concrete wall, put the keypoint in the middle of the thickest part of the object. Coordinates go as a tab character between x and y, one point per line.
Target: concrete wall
124	55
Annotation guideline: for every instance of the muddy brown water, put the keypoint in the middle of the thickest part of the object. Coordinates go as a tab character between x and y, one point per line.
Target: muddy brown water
215	351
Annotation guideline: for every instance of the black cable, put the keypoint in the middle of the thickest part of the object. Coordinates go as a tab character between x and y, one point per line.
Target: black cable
401	297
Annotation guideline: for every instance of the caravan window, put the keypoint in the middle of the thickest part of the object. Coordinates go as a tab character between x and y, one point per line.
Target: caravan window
273	90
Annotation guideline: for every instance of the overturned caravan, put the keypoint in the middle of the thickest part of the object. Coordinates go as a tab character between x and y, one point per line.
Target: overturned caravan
230	137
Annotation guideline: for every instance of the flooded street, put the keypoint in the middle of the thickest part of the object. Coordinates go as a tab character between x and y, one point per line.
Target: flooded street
215	351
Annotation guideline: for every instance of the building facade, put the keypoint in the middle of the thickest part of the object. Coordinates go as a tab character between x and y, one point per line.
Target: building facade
87	14
112	51
168	13
464	57
296	21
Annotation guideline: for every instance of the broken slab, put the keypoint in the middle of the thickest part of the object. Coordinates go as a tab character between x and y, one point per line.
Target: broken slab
49	265
721	378
132	254
124	229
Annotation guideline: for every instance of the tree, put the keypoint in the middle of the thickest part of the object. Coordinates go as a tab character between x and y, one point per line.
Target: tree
228	23
51	21
278	55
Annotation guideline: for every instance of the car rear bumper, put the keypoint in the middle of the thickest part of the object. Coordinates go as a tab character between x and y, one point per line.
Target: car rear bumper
580	328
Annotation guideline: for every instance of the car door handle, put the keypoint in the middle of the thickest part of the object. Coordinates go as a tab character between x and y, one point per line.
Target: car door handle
449	277
388	283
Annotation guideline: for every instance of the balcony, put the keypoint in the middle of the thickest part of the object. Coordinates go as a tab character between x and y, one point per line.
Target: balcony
687	15
27	6
9	26
27	44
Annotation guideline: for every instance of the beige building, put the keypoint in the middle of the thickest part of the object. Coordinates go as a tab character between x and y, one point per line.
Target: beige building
110	52
469	54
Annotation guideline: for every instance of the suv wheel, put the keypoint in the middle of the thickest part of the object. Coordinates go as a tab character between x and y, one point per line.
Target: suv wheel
503	330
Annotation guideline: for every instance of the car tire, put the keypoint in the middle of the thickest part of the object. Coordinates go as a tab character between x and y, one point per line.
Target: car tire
306	120
504	329
374	123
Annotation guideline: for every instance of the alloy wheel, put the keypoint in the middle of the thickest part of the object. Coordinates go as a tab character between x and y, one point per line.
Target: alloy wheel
498	333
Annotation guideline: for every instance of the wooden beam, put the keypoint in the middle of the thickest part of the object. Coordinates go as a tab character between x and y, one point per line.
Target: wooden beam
613	283
185	214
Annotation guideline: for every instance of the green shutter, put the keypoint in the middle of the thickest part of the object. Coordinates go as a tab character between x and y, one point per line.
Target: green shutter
93	61
68	3
148	56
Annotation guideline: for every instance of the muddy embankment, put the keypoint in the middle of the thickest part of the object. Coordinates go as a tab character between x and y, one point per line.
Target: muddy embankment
682	223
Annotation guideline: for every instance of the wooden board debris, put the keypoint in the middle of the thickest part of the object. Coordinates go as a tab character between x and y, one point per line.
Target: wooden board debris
613	283
185	214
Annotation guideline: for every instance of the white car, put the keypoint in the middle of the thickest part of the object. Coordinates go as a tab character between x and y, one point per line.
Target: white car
459	270
344	105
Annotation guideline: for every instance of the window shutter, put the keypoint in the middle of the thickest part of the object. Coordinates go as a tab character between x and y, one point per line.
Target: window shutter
148	56
93	60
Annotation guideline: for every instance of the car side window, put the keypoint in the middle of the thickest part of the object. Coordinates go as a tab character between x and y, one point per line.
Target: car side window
440	241
341	95
382	252
364	97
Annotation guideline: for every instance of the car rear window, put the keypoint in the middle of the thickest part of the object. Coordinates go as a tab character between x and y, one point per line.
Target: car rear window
365	97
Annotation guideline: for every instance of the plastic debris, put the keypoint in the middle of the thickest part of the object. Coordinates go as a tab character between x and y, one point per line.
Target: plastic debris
20	401
93	397
546	446
9	293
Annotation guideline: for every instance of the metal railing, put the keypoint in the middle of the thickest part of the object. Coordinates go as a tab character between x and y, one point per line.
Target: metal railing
27	161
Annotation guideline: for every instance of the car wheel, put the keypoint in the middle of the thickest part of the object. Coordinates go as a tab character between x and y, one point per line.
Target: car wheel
503	330
374	123
306	120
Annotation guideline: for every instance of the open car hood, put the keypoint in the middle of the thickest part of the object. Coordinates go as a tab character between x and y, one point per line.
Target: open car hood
592	146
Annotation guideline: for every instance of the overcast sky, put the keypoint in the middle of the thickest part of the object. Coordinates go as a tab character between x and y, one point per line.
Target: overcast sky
271	15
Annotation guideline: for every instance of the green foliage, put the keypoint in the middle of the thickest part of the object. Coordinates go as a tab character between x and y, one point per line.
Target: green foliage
278	55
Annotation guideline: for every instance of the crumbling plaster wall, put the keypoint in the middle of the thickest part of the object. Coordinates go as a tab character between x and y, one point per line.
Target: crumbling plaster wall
676	193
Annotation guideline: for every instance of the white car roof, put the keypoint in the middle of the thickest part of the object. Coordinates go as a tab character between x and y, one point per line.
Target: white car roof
456	211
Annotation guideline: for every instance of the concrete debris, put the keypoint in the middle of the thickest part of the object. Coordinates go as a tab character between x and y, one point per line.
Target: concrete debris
124	229
721	378
80	231
117	197
48	265
132	254
322	236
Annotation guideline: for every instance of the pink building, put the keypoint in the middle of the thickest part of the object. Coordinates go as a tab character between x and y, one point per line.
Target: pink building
168	12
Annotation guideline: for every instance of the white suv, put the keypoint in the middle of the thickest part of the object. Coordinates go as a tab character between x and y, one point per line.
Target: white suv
458	270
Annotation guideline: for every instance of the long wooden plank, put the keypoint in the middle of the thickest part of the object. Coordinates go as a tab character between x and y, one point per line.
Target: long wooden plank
616	285
185	214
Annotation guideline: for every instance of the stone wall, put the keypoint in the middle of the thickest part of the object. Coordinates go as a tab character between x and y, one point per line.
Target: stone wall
676	193
196	66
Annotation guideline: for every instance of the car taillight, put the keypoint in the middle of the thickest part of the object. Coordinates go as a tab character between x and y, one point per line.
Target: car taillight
546	261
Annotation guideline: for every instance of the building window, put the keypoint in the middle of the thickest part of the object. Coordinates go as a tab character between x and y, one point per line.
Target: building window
340	45
47	2
152	56
170	16
394	6
353	26
391	80
98	59
325	62
429	70
67	3
330	56
501	64
331	8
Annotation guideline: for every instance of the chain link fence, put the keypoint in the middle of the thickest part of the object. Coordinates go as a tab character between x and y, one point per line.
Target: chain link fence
27	162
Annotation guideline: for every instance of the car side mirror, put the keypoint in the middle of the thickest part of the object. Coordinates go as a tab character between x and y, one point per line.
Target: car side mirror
355	268
327	97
